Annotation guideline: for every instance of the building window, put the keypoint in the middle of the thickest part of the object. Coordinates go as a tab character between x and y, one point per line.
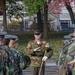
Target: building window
65	24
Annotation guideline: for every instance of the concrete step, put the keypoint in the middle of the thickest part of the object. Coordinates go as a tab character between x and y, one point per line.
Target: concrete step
50	68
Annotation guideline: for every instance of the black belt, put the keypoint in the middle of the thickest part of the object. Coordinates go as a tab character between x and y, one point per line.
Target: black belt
37	55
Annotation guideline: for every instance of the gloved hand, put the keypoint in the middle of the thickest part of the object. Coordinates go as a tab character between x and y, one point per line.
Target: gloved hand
44	58
47	45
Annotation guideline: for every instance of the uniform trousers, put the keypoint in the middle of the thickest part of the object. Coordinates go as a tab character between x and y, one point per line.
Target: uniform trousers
35	70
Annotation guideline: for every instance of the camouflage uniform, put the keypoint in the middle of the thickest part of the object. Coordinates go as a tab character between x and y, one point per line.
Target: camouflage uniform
67	56
61	59
9	65
19	61
70	56
2	53
36	56
16	60
64	58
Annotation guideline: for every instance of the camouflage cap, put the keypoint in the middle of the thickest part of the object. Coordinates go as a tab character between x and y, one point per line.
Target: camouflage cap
13	37
73	39
37	32
2	33
67	37
72	34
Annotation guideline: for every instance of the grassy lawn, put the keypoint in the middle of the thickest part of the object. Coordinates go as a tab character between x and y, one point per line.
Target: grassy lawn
55	40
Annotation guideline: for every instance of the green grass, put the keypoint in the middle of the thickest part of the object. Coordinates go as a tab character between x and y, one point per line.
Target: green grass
55	40
23	40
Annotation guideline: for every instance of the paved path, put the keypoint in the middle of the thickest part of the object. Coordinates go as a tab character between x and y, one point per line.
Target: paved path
50	68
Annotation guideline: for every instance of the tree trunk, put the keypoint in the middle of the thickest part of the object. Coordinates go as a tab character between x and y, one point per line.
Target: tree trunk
69	8
39	21
4	16
45	27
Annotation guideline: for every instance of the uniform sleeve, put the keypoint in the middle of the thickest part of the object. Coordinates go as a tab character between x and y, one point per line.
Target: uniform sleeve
29	46
48	50
28	49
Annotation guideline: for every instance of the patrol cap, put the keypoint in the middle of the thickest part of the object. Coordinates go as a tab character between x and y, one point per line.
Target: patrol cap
2	33
37	32
67	36
71	34
12	37
73	39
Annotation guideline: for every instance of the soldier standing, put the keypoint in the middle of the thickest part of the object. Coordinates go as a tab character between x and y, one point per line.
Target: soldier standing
2	54
39	51
66	56
19	58
12	55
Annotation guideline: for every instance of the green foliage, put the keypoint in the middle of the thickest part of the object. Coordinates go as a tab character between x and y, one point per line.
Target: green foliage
15	9
23	40
32	6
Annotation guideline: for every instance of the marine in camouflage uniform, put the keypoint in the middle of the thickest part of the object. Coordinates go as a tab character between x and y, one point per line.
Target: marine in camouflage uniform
3	54
67	55
19	58
61	59
38	51
11	64
71	56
